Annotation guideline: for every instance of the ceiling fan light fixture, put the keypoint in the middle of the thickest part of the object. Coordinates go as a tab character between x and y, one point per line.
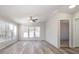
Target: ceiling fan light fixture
31	21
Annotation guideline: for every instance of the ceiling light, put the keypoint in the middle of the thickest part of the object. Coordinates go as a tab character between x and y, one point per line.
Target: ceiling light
72	6
31	21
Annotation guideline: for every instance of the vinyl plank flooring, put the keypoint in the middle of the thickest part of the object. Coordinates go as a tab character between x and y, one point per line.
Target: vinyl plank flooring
36	47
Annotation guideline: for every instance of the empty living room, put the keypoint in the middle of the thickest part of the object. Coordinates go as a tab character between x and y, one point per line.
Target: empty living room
39	29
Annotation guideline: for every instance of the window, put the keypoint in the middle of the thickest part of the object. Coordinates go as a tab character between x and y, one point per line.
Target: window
7	30
15	30
25	35
37	31
25	32
3	29
32	32
11	27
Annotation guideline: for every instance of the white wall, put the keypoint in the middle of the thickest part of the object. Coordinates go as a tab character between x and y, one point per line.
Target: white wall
52	27
51	32
42	32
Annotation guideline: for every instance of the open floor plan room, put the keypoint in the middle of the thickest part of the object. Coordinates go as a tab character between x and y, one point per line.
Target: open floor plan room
39	29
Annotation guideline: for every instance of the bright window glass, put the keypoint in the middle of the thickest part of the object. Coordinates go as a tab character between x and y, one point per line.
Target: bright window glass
31	32
25	35
37	31
26	32
7	30
15	30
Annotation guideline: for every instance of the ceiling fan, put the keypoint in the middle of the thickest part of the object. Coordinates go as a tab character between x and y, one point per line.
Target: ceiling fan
34	20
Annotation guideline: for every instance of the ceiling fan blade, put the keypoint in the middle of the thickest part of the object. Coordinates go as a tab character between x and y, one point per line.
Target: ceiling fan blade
35	19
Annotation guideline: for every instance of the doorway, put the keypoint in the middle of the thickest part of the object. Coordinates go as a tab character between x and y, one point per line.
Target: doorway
64	33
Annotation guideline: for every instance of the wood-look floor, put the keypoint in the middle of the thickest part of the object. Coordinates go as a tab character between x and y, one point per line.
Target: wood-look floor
64	43
36	47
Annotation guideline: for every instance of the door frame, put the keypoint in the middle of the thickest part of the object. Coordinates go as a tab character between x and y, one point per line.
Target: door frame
74	32
70	33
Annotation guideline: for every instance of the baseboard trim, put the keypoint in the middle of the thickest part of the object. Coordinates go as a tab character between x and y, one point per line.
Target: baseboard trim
31	40
50	45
